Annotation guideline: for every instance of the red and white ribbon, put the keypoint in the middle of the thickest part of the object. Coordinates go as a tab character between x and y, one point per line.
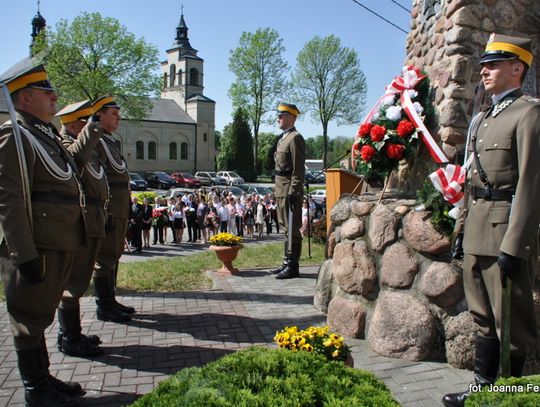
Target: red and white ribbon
447	180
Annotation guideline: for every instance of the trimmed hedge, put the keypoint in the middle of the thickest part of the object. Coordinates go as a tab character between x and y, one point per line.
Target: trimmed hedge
260	377
521	393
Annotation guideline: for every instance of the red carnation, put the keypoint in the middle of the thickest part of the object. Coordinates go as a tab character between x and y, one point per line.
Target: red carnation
404	128
377	133
364	129
356	146
367	152
395	151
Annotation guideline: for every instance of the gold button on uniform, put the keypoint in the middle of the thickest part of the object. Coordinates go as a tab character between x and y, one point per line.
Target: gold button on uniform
495	145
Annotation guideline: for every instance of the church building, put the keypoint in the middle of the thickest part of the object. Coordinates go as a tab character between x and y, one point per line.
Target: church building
178	132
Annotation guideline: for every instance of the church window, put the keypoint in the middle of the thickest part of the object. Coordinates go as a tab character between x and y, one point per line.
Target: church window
179	77
139	150
165	80
172	75
152	155
205	137
193	77
184	151
173	151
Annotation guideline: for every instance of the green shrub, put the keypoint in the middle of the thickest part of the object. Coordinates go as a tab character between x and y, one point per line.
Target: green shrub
151	195
258	377
319	230
523	395
435	203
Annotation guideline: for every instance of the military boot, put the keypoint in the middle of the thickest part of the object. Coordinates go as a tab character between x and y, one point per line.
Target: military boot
486	366
71	389
285	261
72	342
38	389
121	307
293	267
516	365
106	311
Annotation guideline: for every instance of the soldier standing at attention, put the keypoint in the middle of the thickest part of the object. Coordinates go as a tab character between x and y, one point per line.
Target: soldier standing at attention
500	228
289	172
42	224
112	246
80	135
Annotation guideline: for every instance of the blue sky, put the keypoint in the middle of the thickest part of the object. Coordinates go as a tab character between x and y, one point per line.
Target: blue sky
215	27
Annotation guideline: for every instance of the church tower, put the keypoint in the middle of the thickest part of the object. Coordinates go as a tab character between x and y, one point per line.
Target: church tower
183	77
38	24
183	71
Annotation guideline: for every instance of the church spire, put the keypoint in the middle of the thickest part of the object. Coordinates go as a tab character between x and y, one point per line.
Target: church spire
38	24
182	40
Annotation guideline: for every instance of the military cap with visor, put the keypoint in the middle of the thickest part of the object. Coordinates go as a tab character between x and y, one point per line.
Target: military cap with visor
76	111
27	73
506	48
288	108
103	103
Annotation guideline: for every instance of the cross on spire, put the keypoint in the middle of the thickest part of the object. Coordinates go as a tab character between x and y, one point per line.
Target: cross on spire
38	1
182	8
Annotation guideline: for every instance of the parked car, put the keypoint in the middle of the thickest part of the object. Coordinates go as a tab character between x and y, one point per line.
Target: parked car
315	177
237	192
137	182
159	179
260	190
176	192
186	179
231	177
210	178
318	196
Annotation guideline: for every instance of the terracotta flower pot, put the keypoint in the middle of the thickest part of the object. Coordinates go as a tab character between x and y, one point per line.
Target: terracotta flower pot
226	254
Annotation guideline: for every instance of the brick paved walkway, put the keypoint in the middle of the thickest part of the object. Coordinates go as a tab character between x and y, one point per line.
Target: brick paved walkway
173	331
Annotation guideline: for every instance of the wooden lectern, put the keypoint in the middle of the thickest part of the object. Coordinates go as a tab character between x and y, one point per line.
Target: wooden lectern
338	182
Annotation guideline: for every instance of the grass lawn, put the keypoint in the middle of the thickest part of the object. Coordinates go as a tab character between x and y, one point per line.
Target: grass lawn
187	273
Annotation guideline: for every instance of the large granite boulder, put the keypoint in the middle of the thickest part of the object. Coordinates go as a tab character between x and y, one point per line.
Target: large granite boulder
402	327
347	317
354	268
352	228
422	236
323	290
442	284
383	226
361	208
341	211
460	333
399	266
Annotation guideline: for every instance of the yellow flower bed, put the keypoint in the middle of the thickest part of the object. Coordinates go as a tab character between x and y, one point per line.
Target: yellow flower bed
225	239
313	339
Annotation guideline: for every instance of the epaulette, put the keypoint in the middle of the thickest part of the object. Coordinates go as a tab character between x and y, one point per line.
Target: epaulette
531	99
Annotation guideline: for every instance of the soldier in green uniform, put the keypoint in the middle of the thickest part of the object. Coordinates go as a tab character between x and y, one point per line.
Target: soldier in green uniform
42	223
289	182
500	222
112	246
80	135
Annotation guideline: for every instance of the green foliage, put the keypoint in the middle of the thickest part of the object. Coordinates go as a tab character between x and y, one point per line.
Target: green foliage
336	148
260	71
95	56
329	83
434	202
267	147
237	147
319	230
259	377
151	195
524	396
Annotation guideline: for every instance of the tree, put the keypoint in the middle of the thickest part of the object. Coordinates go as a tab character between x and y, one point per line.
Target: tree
267	147
328	82
314	147
237	147
95	56
259	69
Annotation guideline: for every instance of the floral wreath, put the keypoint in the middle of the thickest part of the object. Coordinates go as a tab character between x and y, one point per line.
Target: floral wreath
391	130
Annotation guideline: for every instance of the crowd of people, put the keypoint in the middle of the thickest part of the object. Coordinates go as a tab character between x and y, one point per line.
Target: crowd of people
198	215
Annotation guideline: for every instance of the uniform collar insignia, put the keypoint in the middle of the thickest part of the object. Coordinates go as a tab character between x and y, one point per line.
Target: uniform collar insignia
45	129
503	104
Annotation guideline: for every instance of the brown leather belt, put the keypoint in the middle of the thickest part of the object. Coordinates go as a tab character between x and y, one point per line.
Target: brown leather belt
492	194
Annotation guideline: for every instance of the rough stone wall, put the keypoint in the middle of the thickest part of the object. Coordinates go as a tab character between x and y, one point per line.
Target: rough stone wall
447	38
390	278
